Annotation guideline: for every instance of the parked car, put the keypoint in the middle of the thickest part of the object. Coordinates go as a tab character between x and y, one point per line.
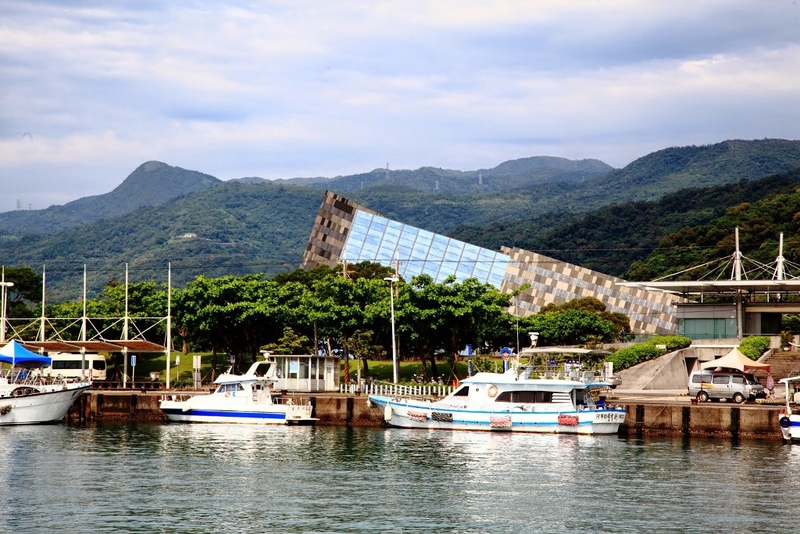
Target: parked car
736	386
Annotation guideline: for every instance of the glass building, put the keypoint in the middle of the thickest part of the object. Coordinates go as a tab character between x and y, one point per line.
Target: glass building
345	231
415	251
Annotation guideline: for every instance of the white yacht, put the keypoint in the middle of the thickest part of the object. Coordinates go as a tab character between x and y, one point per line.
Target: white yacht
27	397
247	398
526	398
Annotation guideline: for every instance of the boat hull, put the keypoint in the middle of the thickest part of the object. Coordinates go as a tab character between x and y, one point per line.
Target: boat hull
200	410
411	413
790	427
49	405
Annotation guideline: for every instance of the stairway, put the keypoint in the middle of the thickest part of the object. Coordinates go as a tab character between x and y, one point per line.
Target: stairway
782	363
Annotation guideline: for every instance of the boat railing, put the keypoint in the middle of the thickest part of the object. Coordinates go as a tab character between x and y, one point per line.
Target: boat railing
25	377
572	372
290	400
397	390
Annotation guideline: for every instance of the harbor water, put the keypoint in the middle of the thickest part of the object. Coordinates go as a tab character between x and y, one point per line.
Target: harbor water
229	478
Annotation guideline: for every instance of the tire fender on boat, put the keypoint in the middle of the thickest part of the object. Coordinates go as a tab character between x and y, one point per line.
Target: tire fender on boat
785	422
387	413
492	391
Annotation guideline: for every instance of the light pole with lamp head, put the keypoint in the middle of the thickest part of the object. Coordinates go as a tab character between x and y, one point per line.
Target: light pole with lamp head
534	338
392	280
4	294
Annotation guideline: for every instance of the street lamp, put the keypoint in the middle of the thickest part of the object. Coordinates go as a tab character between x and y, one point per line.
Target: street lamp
3	297
534	338
392	280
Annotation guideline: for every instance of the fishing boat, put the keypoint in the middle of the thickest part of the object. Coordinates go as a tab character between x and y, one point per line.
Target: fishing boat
788	418
27	397
247	399
545	398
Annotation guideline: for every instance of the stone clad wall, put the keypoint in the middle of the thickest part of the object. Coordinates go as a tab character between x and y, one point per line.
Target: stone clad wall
556	282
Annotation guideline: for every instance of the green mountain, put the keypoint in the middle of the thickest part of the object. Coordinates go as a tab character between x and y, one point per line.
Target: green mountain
514	174
673	169
610	239
151	184
647	179
587	214
760	222
231	228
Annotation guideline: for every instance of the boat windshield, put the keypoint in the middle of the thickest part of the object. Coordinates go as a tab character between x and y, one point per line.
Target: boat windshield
229	388
262	369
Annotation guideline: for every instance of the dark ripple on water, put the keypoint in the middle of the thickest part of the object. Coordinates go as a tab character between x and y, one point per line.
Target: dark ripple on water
228	478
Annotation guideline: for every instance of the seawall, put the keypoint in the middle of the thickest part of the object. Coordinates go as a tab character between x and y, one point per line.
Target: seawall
733	421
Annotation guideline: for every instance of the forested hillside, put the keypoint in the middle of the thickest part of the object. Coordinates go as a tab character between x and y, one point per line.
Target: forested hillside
152	184
583	214
515	174
611	238
760	223
647	179
232	228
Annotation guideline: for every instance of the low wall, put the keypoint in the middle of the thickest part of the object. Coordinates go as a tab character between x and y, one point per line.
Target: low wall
740	421
712	420
143	406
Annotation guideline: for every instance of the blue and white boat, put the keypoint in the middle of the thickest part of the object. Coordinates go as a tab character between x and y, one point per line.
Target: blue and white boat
789	417
523	399
247	399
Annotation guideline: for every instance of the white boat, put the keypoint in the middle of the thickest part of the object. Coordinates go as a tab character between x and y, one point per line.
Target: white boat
523	399
789	419
247	399
26	397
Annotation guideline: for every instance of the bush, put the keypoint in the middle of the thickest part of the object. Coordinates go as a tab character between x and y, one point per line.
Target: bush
636	354
753	347
672	342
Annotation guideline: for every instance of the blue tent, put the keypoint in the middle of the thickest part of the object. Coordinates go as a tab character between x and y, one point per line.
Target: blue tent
19	356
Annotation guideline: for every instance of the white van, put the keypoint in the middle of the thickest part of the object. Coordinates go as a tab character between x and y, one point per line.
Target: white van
68	365
731	385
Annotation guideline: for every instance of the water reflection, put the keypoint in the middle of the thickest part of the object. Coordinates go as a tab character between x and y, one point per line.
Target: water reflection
179	478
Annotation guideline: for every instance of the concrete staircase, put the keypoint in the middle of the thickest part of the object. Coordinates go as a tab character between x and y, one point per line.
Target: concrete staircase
782	363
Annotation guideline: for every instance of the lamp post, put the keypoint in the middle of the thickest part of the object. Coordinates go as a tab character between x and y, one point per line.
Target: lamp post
392	280
534	338
3	293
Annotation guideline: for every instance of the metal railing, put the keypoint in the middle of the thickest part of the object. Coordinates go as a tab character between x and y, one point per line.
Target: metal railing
397	390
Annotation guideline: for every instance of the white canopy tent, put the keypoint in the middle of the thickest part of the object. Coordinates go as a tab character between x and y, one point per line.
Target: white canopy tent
734	360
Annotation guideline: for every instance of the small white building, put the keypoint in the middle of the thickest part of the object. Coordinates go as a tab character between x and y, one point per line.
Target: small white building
306	373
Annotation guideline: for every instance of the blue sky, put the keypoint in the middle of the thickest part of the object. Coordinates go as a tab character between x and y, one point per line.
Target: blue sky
89	90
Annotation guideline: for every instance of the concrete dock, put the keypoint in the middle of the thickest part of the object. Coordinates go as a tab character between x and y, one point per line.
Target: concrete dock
666	412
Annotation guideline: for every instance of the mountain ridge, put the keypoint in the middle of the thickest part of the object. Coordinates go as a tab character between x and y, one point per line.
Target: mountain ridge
152	183
253	225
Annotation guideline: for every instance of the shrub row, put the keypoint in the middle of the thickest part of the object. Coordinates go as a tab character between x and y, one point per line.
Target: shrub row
652	349
753	347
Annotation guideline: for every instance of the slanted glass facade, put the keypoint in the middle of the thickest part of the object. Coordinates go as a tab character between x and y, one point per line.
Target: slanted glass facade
344	230
416	251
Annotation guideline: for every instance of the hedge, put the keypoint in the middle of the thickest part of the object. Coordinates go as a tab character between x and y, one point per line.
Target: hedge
650	350
753	347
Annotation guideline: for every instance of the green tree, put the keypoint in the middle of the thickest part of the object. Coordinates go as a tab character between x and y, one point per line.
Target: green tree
26	293
619	321
289	343
569	327
445	317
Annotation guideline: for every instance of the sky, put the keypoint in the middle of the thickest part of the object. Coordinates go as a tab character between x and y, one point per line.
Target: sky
90	90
